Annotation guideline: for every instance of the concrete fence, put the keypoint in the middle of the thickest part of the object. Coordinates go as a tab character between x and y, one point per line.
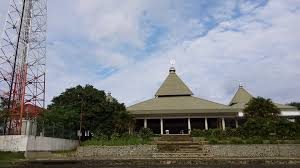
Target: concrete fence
22	143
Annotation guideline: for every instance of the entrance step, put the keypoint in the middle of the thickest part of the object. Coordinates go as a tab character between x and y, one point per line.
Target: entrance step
180	144
179	147
181	155
175	137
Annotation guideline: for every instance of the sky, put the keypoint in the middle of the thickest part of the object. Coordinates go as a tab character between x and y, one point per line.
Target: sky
125	47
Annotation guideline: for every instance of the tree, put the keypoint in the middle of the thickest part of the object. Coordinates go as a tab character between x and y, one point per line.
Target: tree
262	120
260	107
100	115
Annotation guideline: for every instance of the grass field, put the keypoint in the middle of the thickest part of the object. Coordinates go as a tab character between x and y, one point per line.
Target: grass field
8	159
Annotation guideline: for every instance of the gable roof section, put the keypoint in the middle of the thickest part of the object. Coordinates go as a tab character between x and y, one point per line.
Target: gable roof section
173	86
180	104
242	97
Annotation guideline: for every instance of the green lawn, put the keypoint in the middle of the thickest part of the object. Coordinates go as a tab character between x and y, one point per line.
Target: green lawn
11	156
8	159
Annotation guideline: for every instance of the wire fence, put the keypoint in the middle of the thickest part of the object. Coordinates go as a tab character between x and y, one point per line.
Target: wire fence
34	128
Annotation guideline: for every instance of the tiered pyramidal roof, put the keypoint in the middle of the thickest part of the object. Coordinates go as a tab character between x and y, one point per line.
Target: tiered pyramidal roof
173	86
174	96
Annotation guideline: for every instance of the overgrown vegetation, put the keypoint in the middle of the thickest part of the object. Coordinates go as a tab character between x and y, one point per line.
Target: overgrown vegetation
235	136
263	125
262	120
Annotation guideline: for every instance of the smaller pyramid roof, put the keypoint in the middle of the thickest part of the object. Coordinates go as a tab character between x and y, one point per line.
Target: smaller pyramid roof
242	97
173	86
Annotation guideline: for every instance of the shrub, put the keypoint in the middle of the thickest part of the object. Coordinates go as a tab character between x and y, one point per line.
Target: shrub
232	132
198	133
286	129
261	127
115	136
214	133
145	133
213	141
236	140
218	133
255	140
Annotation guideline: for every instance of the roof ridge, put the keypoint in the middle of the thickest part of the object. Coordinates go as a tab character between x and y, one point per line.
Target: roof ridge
140	102
211	101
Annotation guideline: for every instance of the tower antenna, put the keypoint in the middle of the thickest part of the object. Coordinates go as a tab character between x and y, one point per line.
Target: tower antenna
23	60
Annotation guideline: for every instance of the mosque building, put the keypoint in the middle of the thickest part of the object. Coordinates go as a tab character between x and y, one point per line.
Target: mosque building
174	109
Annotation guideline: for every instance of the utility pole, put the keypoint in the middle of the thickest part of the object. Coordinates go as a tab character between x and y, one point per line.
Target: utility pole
81	117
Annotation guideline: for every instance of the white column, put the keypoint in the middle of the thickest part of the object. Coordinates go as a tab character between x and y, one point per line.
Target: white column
189	125
236	123
161	126
206	124
27	127
223	123
145	123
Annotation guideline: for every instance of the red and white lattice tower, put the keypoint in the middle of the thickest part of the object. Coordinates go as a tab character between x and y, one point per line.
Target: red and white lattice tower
23	60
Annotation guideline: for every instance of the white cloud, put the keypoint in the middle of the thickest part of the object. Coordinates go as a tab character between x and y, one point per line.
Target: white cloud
259	48
112	21
112	59
264	58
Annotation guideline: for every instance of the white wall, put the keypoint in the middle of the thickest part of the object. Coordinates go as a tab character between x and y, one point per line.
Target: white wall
22	143
38	143
13	143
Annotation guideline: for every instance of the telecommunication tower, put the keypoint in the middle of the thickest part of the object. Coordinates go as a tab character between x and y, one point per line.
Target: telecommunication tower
23	60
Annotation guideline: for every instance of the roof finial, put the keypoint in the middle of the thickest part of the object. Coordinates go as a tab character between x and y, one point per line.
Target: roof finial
172	68
240	85
109	97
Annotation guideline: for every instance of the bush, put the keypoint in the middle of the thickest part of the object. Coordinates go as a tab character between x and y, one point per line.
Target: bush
232	132
261	127
286	129
236	140
213	141
145	133
279	128
198	133
255	140
215	133
218	133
